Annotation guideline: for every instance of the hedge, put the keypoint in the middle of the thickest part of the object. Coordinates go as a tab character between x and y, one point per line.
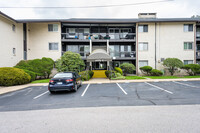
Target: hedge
13	76
192	69
32	74
41	67
156	72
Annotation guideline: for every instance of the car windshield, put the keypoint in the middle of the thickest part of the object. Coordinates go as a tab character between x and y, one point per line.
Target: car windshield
63	75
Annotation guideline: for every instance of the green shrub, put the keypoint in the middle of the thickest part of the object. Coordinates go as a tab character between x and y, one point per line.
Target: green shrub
127	68
146	69
118	76
85	76
156	72
119	70
192	69
32	74
172	64
110	74
91	73
70	62
13	76
41	67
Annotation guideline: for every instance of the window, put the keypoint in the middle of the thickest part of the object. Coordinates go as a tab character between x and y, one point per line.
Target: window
53	46
52	27
114	50
188	27
13	27
14	51
143	63
73	48
186	62
125	50
84	49
143	28
143	46
188	45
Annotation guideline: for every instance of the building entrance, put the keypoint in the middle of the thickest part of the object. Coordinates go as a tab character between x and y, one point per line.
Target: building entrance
99	65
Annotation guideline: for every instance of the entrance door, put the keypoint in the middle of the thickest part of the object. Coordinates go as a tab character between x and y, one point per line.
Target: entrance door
99	65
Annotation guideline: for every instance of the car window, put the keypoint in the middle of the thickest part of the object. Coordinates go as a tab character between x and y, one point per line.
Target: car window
63	75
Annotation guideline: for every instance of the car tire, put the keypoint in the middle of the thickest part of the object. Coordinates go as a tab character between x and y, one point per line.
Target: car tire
52	92
80	83
75	88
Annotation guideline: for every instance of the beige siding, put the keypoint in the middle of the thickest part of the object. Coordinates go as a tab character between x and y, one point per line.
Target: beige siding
38	41
148	37
170	38
10	39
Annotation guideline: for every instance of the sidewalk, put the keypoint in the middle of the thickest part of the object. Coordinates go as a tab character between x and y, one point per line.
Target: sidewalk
93	81
105	80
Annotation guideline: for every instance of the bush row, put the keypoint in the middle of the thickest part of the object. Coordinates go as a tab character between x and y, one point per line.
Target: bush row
148	70
37	67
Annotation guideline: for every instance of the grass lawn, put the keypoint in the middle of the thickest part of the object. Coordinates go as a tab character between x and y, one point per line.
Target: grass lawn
41	81
134	77
170	77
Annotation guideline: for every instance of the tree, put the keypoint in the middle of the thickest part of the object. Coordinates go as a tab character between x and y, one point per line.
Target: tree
127	68
70	62
172	64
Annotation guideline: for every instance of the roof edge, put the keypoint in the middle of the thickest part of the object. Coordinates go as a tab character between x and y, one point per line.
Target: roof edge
8	17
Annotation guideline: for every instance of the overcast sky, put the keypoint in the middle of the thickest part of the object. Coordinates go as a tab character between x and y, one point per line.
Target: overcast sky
176	8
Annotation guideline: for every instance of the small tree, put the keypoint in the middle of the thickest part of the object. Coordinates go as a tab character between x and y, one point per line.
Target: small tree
172	64
127	68
146	69
70	62
192	69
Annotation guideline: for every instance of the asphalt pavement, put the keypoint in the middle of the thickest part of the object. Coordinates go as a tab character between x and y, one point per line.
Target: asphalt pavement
102	95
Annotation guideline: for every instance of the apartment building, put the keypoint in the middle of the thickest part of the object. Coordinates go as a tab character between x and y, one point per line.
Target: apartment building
102	43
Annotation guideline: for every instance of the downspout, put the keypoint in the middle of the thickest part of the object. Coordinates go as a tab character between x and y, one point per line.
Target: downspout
136	50
155	47
195	45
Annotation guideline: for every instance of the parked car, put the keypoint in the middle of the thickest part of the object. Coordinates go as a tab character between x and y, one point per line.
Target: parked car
65	81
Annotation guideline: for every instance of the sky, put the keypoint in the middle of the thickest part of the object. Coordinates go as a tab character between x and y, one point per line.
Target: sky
171	9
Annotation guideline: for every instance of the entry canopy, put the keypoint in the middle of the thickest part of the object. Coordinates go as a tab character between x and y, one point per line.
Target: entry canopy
99	55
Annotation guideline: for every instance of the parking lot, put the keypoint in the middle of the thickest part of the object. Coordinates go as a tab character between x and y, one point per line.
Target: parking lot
98	95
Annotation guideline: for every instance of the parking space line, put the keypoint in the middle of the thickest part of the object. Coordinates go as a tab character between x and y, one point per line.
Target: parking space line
159	88
40	95
122	89
85	90
185	84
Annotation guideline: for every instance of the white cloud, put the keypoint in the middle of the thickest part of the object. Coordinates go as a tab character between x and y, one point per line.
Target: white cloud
177	8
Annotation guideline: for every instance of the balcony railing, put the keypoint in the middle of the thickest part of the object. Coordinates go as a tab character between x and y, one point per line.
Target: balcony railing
82	54
98	36
131	54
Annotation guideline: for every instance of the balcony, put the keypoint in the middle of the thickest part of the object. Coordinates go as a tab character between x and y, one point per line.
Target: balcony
198	54
117	55
98	36
123	55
